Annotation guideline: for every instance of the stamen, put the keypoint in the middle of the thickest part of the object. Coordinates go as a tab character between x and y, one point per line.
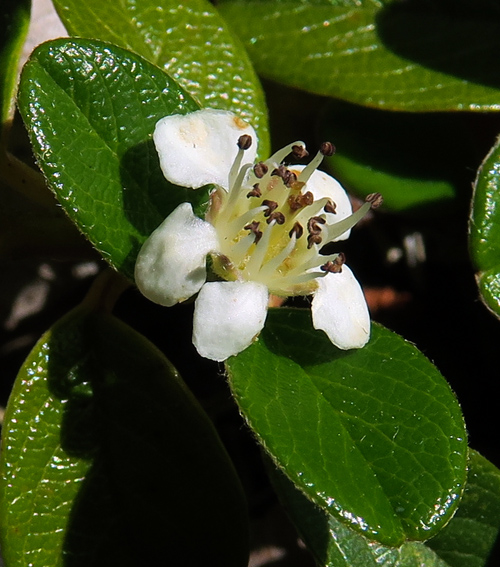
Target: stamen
337	229
330	207
260	169
277	216
296	230
334	266
313	239
280	155
327	149
288	176
312	225
271	206
234	226
254	228
296	202
311	167
375	200
258	255
299	152
255	192
244	142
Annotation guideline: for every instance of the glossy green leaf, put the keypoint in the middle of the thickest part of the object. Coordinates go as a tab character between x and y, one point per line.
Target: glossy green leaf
375	435
410	55
466	541
188	40
108	459
484	228
90	110
14	21
394	153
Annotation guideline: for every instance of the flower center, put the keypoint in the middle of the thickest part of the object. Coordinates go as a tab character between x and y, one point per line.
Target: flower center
271	228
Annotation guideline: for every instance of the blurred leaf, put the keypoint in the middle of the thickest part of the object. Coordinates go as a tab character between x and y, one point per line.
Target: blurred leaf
485	229
90	109
108	459
466	541
374	435
411	55
14	21
396	153
188	40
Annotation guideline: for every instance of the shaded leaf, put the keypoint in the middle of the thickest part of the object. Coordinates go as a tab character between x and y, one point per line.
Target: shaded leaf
375	435
90	109
484	230
408	55
108	459
188	40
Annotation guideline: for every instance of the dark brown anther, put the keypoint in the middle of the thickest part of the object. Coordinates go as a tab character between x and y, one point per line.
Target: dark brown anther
313	239
271	206
335	266
284	173
375	200
327	149
297	229
299	152
244	142
291	179
313	225
260	169
296	202
255	192
330	207
276	216
254	227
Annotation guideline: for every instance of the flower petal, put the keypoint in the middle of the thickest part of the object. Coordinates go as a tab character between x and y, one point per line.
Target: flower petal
227	317
339	308
171	265
199	148
322	186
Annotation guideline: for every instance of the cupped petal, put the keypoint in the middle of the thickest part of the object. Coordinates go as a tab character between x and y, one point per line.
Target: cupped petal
322	185
227	317
171	265
339	309
199	148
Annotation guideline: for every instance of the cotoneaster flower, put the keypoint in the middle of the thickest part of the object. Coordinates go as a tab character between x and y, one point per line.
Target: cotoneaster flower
263	232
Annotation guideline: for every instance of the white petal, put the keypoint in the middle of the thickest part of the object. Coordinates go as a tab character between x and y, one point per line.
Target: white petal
171	265
199	148
323	185
227	317
339	308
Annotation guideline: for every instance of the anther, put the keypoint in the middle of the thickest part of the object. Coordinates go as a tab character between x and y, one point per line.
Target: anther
271	207
330	207
313	225
299	152
260	169
327	149
291	179
285	174
296	202
255	192
375	200
313	239
244	142
297	229
277	216
335	266
254	227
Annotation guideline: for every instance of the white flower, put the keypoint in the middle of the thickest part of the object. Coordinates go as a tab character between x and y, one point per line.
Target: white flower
263	232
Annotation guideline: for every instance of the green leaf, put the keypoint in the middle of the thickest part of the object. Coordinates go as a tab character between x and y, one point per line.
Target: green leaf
108	459
484	229
188	40
395	154
408	55
466	541
375	435
14	21
90	109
